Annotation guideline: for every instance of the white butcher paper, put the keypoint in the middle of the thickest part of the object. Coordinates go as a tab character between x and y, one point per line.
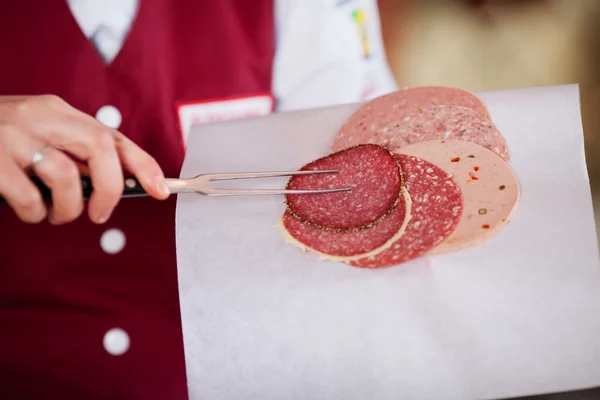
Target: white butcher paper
519	315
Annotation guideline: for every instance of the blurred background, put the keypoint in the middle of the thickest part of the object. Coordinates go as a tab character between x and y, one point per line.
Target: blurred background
500	44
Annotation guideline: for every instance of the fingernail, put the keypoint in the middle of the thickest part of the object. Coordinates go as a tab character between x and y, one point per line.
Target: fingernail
105	216
162	185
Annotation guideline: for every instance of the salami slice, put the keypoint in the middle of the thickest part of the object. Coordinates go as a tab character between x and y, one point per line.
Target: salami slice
442	122
436	210
370	170
346	246
489	188
392	108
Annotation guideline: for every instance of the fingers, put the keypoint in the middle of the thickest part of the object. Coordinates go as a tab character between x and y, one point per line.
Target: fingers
48	119
61	175
101	145
94	143
97	146
138	162
55	169
135	160
107	177
20	193
143	166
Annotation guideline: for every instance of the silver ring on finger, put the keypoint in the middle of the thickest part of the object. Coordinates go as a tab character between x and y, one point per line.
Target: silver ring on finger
39	155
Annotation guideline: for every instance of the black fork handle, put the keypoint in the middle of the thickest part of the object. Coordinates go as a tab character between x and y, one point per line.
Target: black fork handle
132	188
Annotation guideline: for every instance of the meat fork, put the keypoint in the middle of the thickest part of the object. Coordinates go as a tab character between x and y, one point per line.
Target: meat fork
199	184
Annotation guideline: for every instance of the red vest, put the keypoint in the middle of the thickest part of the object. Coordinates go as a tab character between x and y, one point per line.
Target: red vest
60	292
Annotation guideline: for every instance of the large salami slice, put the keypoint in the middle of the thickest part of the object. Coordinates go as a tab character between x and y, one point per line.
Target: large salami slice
370	170
392	108
442	122
489	188
346	246
436	210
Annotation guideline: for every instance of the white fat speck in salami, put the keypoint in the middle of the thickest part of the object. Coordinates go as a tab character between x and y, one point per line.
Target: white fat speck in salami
436	210
395	107
489	189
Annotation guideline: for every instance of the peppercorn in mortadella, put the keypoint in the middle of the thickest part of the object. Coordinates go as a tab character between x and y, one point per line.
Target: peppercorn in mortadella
392	108
374	176
489	187
435	212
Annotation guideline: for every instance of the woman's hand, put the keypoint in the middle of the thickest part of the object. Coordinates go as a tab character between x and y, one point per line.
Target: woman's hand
31	129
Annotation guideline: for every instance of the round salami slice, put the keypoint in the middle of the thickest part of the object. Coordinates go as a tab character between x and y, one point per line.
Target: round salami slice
370	170
347	246
392	108
489	188
442	122
436	210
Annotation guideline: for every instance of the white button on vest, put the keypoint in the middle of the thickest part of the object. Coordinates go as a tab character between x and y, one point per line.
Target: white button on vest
109	116
112	241
116	341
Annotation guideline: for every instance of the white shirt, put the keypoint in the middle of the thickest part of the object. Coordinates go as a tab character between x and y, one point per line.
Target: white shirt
319	53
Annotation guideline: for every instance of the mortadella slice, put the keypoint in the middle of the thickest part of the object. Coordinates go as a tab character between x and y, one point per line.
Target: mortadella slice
489	188
394	107
370	170
435	212
443	122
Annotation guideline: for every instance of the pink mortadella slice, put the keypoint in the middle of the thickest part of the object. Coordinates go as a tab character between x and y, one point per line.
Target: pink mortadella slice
443	122
392	108
488	185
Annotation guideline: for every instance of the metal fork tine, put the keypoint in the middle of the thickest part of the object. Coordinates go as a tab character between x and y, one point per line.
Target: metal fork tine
251	175
254	192
201	184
